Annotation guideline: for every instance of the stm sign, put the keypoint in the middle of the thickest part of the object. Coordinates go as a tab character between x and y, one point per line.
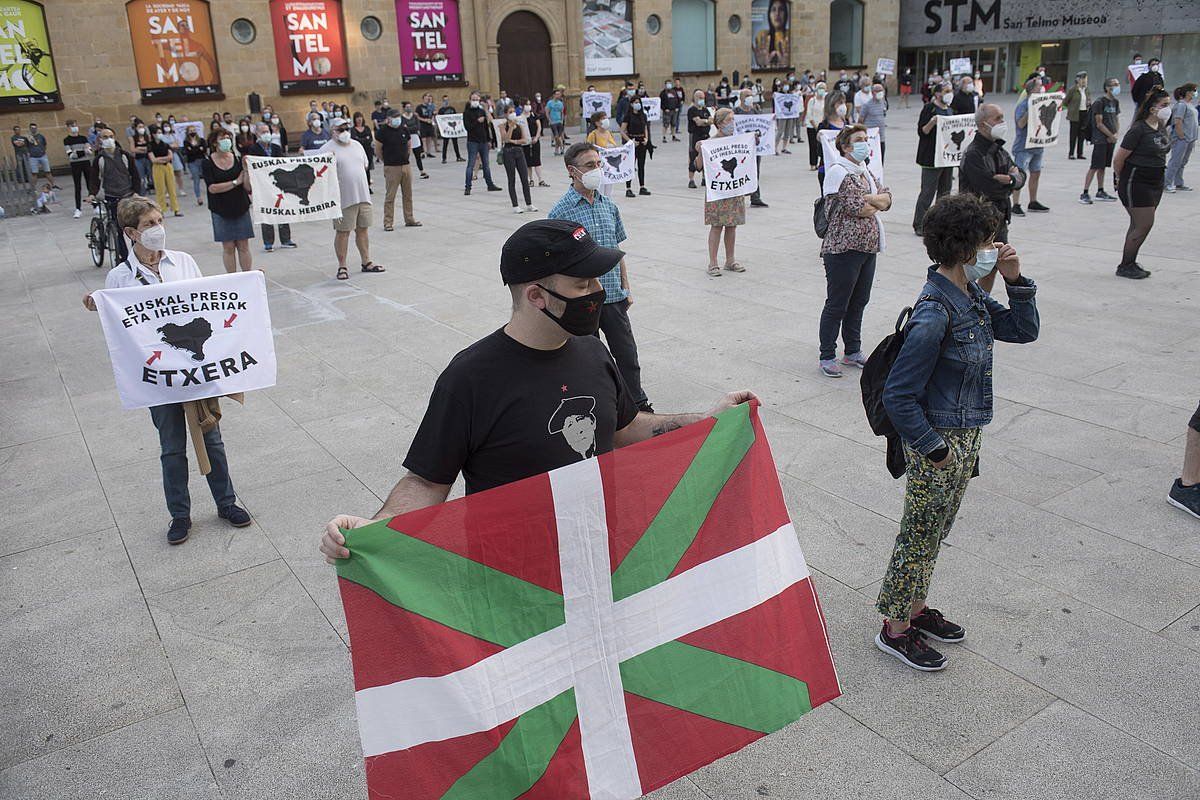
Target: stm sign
962	15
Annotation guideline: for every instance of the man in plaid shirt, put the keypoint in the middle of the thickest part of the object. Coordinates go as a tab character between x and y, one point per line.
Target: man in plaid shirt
599	215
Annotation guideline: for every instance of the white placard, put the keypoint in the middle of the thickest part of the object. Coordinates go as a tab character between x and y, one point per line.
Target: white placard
293	188
182	128
653	108
730	168
596	101
187	340
954	135
450	126
617	164
1137	70
874	161
960	66
1043	119
788	105
763	128
414	141
498	125
886	66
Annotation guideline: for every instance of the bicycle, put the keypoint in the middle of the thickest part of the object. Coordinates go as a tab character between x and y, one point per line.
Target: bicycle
103	234
31	68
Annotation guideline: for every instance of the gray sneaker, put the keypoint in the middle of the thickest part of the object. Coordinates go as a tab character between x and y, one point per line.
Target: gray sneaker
1086	199
1186	498
830	368
1179	187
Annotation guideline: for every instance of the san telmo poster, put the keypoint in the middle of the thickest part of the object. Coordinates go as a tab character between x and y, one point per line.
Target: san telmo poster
27	77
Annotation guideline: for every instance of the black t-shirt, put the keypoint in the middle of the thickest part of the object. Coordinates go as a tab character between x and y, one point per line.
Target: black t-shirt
194	149
697	132
476	124
1107	108
635	124
927	142
1148	146
502	411
158	149
233	203
394	143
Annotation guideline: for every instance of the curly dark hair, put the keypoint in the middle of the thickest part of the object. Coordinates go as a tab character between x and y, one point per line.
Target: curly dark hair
1155	94
956	226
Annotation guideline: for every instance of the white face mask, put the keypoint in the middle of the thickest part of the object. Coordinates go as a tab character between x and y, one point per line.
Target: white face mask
315	125
878	95
274	120
948	97
108	144
154	238
1000	130
1164	113
395	122
840	109
591	179
343	136
74	129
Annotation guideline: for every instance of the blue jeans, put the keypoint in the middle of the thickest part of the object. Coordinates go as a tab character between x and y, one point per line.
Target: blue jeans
478	149
195	168
173	438
848	279
143	168
39	164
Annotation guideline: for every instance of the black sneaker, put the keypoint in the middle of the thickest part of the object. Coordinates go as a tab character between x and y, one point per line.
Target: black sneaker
1085	198
1103	195
931	623
494	188
1133	271
1185	497
691	184
1018	211
644	192
910	647
1036	206
629	193
467	190
238	517
178	532
759	204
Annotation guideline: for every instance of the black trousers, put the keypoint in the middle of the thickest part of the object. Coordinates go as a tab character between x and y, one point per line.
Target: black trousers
79	176
814	147
848	279
1075	143
618	333
445	144
756	195
639	153
268	234
514	164
935	183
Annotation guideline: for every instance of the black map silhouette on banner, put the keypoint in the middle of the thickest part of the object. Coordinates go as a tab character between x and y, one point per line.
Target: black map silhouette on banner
1047	113
614	161
297	180
190	337
729	165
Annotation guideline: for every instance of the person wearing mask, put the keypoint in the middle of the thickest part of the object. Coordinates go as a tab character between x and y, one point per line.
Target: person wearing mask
670	104
244	139
853	202
1105	114
725	215
814	116
906	86
394	151
861	97
195	150
357	214
936	182
448	108
425	123
20	145
503	104
379	115
229	202
682	96
1183	133
1076	104
554	112
939	397
873	114
362	134
784	128
724	95
623	101
316	137
746	105
478	124
412	126
513	139
268	146
699	124
162	165
278	128
1139	169
601	136
1148	80
149	263
176	154
139	146
487	416
1040	75
1029	161
35	151
535	118
585	205
966	99
114	174
835	120
844	84
79	155
637	128
988	171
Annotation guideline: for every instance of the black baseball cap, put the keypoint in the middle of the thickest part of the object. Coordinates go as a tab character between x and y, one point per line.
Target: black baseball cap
554	247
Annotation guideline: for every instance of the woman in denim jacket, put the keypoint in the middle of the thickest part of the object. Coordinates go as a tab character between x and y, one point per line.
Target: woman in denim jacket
939	396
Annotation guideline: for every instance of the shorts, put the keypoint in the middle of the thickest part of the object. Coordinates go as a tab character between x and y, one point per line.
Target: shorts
359	215
39	163
1029	160
1194	423
1102	154
905	89
1140	187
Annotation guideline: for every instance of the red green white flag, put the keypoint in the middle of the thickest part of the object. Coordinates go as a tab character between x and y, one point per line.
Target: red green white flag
597	631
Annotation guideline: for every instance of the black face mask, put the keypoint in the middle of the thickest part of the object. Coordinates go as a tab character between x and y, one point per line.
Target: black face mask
582	314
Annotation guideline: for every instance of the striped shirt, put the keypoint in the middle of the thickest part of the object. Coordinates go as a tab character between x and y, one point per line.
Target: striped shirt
602	220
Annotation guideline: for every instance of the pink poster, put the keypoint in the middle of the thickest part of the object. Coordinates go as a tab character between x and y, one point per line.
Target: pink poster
430	43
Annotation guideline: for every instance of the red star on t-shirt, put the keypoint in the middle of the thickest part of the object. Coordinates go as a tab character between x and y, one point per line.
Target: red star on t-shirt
564	387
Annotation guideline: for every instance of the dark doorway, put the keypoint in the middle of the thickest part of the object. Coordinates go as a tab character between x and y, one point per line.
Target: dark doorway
525	64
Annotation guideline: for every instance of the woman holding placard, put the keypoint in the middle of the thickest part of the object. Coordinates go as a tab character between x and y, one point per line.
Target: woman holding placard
601	136
724	215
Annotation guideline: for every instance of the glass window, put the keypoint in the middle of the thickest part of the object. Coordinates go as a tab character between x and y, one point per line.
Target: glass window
243	31
653	24
845	33
371	28
735	24
693	35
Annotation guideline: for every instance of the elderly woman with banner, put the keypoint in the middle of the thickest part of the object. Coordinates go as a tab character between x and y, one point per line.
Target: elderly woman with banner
725	206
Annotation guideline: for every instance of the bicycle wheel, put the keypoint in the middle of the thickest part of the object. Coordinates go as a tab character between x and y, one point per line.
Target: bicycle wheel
114	241
96	239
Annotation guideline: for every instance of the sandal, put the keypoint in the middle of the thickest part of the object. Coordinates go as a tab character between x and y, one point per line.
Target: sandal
343	274
714	271
372	267
735	267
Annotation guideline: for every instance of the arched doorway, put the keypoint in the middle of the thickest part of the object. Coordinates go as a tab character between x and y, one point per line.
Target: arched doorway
526	66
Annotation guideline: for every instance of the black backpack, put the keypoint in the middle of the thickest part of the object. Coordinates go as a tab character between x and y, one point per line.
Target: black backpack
821	218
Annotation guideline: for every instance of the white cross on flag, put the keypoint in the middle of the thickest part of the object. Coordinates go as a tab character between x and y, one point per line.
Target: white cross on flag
595	632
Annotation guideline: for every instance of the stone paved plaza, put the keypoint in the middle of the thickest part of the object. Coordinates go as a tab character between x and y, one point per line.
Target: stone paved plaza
221	669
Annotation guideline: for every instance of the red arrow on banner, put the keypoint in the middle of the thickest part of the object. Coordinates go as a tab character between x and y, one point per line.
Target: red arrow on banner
321	171
229	322
157	355
278	199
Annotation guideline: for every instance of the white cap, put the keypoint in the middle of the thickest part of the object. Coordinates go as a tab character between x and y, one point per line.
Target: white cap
338	122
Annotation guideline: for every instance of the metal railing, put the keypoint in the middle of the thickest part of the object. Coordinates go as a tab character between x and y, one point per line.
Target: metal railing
16	187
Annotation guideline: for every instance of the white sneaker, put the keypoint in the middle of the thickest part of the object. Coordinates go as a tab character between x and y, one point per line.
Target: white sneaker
77	214
531	209
518	210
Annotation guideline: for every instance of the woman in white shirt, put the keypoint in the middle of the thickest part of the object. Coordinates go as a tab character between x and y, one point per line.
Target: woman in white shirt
814	115
149	263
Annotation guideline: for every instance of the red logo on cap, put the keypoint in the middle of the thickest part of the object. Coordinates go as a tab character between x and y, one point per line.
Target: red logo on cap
579	234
